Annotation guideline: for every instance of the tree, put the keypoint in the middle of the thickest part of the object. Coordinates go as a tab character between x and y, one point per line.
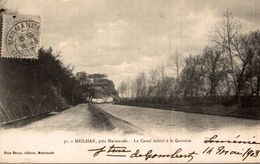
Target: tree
248	47
123	89
140	85
254	68
224	35
82	77
165	83
191	79
97	76
60	75
214	68
245	55
176	62
152	82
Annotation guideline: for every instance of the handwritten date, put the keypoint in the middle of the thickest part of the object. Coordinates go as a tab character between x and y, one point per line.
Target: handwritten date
222	150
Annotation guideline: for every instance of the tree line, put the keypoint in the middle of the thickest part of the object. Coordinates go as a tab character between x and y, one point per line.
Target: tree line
227	71
75	88
95	85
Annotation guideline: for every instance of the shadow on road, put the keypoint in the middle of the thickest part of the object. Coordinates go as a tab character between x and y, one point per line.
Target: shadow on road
99	120
102	120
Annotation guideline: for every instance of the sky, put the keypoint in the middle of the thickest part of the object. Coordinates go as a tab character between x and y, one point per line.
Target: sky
123	37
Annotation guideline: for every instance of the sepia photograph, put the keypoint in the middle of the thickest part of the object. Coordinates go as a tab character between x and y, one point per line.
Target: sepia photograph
129	81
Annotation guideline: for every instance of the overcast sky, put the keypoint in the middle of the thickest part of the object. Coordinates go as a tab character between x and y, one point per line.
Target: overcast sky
123	37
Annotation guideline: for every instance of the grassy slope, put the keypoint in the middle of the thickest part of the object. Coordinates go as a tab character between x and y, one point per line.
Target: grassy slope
24	92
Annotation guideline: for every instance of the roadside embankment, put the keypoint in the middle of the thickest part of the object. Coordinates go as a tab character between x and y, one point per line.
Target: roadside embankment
231	111
25	91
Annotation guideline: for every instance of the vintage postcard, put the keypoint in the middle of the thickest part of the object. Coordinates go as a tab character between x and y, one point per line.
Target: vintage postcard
129	81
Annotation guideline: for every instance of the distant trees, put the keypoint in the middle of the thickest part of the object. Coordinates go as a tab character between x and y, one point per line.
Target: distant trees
214	68
140	85
225	35
192	81
176	61
74	88
152	82
228	70
95	86
253	69
82	77
165	83
241	51
147	85
248	48
123	89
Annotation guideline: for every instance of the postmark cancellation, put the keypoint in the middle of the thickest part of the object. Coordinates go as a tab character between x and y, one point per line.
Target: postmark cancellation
20	36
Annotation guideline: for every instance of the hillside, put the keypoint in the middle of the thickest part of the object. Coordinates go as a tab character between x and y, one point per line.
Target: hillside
27	87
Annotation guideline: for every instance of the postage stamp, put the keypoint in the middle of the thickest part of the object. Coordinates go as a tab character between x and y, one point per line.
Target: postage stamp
20	36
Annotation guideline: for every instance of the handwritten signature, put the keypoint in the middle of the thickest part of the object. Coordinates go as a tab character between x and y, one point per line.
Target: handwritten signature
214	139
112	151
213	148
122	151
